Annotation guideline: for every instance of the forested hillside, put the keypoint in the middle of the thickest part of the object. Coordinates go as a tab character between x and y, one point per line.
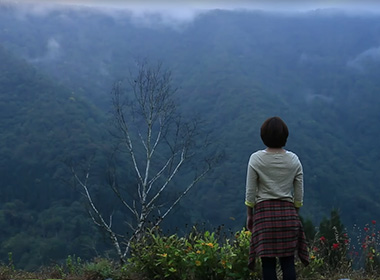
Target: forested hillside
317	70
44	127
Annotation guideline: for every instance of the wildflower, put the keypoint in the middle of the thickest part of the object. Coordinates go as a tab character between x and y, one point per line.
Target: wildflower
370	256
197	263
315	249
373	222
164	255
223	262
211	245
322	239
198	252
312	257
366	229
247	232
335	246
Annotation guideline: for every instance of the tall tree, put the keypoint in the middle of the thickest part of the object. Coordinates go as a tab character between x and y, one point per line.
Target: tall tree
160	146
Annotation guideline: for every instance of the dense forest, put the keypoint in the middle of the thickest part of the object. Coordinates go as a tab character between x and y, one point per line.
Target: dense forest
318	70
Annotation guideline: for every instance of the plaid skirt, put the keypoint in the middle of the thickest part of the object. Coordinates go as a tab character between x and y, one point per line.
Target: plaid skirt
277	232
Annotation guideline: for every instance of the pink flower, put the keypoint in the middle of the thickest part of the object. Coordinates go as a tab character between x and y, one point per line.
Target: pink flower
366	229
322	239
373	222
335	246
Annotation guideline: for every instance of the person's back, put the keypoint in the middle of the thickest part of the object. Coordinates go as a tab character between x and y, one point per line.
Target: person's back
279	176
274	194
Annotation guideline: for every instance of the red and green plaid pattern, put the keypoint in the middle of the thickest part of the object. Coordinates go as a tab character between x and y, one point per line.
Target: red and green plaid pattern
277	232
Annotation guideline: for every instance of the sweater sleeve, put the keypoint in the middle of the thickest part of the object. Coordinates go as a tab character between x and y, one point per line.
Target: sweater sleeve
251	187
298	187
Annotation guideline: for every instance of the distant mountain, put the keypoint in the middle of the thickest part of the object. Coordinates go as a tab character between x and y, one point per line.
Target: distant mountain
42	122
317	70
43	125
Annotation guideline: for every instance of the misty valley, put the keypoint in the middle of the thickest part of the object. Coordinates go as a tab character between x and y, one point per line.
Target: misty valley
317	70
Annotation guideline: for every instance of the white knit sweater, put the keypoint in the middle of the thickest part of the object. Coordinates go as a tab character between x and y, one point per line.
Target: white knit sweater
274	176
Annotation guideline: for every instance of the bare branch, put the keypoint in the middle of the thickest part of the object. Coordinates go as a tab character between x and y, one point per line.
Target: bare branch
159	173
168	180
189	187
99	221
122	124
158	144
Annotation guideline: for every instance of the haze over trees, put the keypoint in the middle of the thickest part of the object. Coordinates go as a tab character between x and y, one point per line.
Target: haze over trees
317	70
161	146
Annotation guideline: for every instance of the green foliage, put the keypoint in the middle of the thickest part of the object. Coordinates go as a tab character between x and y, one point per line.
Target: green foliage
332	243
366	250
42	126
99	269
196	256
309	229
73	265
335	252
209	255
371	248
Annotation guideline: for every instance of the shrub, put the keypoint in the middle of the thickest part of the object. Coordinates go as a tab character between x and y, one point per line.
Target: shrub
99	269
196	256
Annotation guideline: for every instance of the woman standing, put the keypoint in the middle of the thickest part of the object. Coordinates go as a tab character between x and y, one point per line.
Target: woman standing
274	194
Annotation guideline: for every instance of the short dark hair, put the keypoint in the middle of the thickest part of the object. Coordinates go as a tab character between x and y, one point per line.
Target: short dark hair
274	132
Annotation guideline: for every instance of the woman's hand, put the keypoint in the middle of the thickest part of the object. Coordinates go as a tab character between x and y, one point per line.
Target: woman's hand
250	223
249	218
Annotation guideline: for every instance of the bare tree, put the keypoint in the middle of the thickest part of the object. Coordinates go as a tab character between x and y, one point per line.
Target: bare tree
158	143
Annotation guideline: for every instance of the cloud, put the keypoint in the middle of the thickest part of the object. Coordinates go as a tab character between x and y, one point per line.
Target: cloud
360	61
53	52
176	13
310	97
159	5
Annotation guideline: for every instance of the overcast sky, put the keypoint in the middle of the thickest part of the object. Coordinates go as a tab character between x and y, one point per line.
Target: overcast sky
294	5
181	11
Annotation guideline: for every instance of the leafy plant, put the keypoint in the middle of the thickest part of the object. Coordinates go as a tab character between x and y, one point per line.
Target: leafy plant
99	269
196	256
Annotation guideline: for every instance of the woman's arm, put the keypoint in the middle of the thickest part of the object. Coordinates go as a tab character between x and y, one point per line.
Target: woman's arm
298	187
250	194
249	218
251	186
